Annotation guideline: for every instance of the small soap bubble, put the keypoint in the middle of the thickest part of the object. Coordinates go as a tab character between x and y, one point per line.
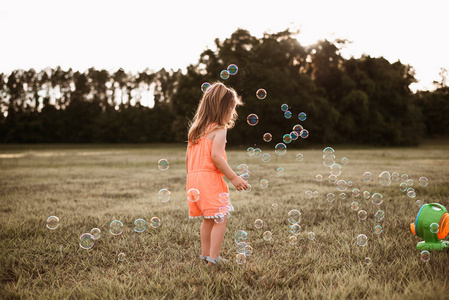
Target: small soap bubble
299	157
411	192
423	181
284	107
294	135
377	199
319	177
266	157
287	114
287	138
328	160
267	235
355	206
362	214
249	250
52	222
240	236
344	161
311	236
378	229
367	176
349	183
264	183
155	222
315	194
404	177
330	197
223	198
274	206
434	228
205	87
342	196
362	240
219	218
294	216
86	241
355	192
379	215
425	255
193	195
280	171
298	128
328	150
366	195
292	240
409	182
385	178
332	178
280	149
403	186
242	169
335	169
267	137
252	119
258	224
163	164
250	151
164	195
257	152
121	256
248	188
295	229
232	69
140	225
367	261
308	194
241	247
224	74
96	233
341	185
302	116
304	133
116	227
240	258
419	203
261	94
395	176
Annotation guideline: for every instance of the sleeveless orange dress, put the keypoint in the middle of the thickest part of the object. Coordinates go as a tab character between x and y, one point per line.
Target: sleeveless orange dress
203	175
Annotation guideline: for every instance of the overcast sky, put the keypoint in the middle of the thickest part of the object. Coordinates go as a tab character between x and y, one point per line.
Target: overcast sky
151	34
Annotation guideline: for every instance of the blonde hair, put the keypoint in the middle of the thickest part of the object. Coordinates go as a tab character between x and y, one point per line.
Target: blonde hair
217	103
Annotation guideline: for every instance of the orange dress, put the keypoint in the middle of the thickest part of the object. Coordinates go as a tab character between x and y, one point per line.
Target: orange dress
203	175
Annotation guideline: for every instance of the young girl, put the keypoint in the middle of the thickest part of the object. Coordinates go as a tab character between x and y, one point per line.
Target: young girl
206	164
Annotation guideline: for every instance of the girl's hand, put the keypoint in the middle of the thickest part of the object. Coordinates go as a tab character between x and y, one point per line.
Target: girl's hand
239	183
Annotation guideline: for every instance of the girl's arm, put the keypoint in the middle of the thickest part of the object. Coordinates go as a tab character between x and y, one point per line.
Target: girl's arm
187	160
218	146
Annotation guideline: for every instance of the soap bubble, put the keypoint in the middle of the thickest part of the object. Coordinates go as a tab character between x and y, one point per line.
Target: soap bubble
140	225
223	198
261	94
86	241
377	198
342	196
164	195
52	222
241	247
240	258
341	185
302	116
328	150
219	218
163	164
267	235
362	215
287	138
409	182
332	178
224	74
378	229
423	181
335	169
232	69
419	203
411	192
274	206
434	227
308	194
263	183
266	157
205	86
355	192
250	151
294	216
395	176
344	161
328	160
349	183
248	250
284	107
367	261
425	255
294	229
379	215
330	197
280	171
315	194
403	187
257	152
292	240
121	256
298	128
116	227
267	137
155	222
385	178
319	177
96	233
294	135
311	236
355	206
258	224
280	149
362	240
367	176
304	133
287	114
240	236
252	119
404	177
193	195
299	157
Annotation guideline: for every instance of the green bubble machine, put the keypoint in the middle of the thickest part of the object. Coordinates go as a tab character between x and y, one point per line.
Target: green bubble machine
427	215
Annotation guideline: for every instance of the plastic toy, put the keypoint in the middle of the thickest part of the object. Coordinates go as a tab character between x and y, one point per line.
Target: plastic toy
427	215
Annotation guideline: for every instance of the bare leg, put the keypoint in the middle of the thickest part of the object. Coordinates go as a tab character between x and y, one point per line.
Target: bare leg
216	238
206	228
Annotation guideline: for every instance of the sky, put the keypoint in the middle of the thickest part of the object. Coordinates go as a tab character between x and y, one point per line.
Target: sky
135	35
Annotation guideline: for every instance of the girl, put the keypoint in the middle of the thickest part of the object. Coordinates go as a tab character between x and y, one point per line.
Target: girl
206	163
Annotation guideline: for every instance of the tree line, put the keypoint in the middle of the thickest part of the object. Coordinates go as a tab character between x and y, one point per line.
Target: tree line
364	100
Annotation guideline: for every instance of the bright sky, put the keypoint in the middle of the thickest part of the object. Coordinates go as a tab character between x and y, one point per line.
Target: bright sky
150	34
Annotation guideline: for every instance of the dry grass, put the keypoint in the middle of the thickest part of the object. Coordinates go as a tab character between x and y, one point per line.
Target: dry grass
89	186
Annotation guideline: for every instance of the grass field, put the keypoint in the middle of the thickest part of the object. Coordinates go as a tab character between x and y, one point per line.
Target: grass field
89	186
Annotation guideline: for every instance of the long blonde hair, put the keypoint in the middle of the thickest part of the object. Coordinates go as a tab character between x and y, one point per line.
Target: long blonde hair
217	103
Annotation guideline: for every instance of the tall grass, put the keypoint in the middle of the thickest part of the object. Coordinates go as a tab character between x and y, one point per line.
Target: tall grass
90	186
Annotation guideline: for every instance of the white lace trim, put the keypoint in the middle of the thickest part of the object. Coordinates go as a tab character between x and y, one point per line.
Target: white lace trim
231	209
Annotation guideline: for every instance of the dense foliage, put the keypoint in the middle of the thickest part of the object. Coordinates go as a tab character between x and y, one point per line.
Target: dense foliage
358	101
